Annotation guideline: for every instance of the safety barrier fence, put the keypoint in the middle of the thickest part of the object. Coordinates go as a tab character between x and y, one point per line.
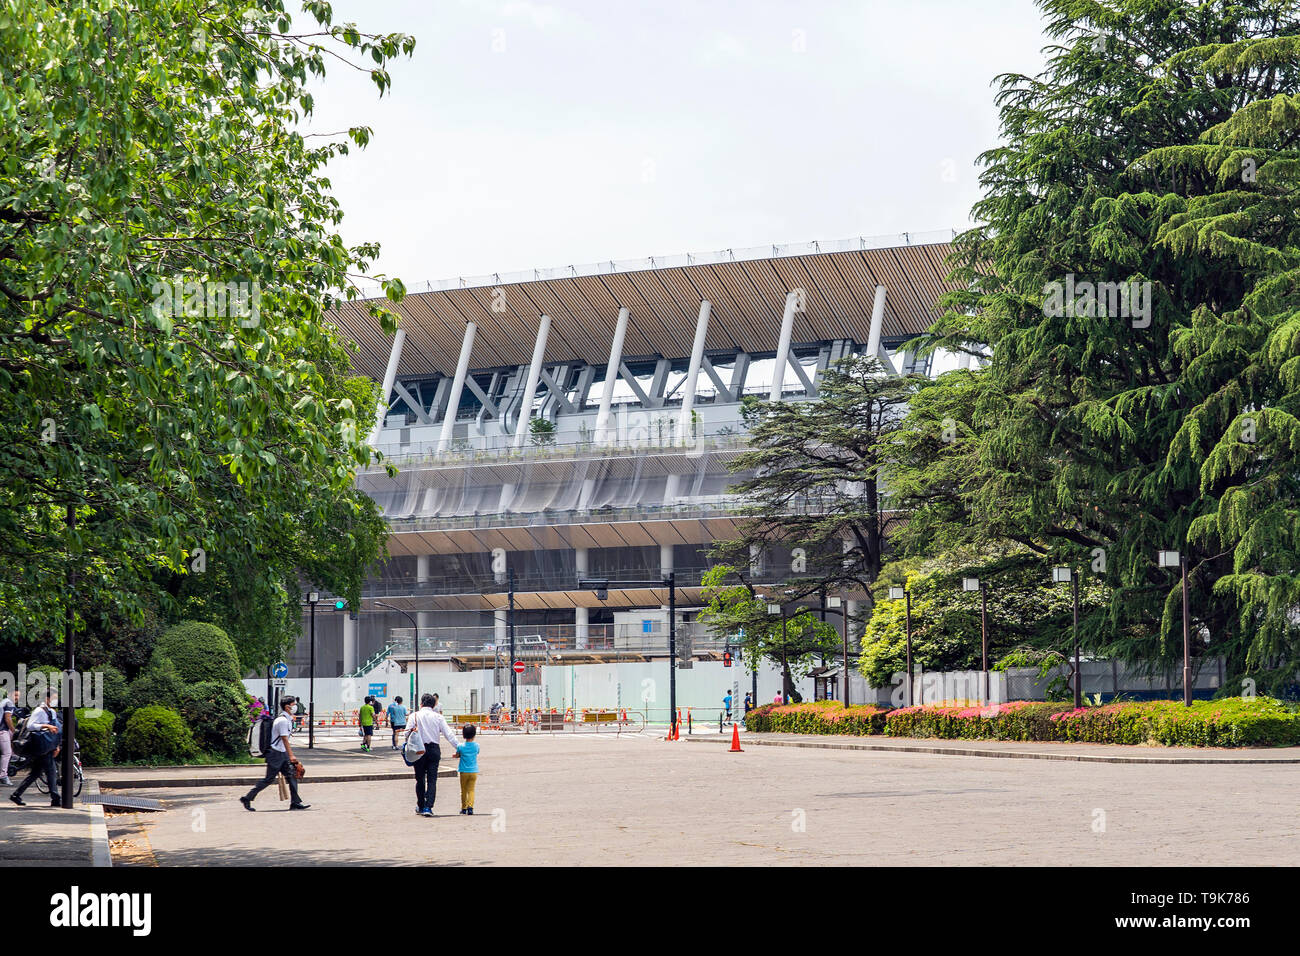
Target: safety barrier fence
618	720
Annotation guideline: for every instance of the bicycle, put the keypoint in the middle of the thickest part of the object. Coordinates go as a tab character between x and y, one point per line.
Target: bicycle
43	785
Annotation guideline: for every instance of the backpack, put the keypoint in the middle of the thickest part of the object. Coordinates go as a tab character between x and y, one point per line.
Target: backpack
259	737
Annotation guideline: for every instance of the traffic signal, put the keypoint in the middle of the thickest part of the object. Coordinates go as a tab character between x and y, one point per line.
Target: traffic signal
340	604
726	658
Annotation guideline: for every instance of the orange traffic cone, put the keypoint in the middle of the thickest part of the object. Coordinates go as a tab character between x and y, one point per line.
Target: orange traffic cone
735	741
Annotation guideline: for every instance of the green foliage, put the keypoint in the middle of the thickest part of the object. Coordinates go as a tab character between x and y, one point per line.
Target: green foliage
201	652
157	735
217	714
115	689
1026	612
1156	148
169	254
95	735
541	431
159	684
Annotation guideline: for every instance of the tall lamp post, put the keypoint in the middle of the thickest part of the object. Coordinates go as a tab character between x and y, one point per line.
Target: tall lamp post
312	598
902	594
1173	559
415	624
601	587
975	584
1062	575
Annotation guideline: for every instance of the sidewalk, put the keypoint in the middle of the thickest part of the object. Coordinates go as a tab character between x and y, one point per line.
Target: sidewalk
1025	750
41	835
331	761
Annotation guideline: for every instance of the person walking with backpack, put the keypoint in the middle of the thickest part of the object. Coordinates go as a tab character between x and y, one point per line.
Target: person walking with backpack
429	725
43	732
280	758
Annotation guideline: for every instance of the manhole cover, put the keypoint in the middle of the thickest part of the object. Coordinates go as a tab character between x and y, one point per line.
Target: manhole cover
129	803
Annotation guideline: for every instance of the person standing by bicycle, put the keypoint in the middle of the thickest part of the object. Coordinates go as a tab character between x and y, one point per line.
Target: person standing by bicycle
43	748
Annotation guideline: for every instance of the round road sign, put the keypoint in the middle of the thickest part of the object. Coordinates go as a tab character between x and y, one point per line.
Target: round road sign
519	667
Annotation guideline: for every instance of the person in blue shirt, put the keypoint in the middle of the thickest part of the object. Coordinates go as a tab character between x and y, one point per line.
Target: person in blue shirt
467	769
396	718
726	704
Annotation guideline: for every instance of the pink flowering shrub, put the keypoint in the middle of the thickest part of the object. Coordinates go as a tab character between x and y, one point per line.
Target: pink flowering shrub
818	717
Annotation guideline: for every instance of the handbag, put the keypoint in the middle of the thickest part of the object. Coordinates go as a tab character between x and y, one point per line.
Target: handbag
412	747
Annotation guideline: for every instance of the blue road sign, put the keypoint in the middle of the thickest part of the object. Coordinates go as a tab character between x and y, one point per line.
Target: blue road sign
378	690
280	670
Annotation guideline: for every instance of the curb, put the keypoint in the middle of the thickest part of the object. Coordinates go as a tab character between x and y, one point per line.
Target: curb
99	852
139	783
1013	754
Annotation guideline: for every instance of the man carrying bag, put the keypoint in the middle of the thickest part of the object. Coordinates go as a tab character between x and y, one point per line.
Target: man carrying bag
40	739
426	725
280	759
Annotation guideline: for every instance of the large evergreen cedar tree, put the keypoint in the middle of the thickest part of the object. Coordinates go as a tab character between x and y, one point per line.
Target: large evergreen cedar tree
1159	145
145	145
813	483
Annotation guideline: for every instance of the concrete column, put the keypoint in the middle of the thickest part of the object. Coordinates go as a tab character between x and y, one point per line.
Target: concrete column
457	386
425	620
581	629
390	376
421	568
665	558
783	347
349	644
877	323
611	377
693	373
534	375
500	630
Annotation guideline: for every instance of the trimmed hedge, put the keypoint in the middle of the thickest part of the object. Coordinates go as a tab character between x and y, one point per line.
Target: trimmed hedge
159	685
201	652
95	735
217	714
158	735
1238	722
817	717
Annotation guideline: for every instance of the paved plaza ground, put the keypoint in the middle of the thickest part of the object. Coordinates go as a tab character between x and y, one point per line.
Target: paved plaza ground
638	800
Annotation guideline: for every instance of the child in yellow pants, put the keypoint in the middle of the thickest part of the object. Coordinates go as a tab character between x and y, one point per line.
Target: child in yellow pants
467	769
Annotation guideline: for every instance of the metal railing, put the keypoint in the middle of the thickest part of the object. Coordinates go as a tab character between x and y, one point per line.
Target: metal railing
611	266
497	449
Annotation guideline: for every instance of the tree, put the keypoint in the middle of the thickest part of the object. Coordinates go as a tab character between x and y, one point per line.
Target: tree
1126	298
814	478
739	613
167	259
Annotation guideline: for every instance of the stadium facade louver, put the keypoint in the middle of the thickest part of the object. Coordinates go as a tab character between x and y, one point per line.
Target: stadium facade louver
580	422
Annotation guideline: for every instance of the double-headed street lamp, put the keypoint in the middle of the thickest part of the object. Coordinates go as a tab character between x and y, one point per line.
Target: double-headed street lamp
975	584
1065	575
669	581
1173	559
902	594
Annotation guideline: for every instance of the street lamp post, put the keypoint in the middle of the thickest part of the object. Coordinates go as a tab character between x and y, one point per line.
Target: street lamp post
601	587
975	584
897	594
312	598
836	603
1061	575
510	619
1173	559
415	624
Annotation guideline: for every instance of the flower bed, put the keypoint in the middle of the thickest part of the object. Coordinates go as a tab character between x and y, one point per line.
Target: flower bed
1233	722
817	717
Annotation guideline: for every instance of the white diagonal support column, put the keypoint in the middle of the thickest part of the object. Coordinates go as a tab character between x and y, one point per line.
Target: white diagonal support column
390	376
693	373
877	323
611	377
783	347
457	386
534	376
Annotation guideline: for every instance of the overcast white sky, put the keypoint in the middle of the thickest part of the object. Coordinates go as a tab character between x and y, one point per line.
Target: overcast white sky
529	134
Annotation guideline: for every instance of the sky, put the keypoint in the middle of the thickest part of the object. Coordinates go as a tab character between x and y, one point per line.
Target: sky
529	134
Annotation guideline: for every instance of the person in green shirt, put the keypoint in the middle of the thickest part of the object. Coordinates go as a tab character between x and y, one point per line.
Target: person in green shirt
366	717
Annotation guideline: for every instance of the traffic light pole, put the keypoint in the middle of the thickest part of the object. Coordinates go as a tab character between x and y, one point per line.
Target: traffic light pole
510	619
311	685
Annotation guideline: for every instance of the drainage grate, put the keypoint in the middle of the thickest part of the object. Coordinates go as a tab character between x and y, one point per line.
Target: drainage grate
130	803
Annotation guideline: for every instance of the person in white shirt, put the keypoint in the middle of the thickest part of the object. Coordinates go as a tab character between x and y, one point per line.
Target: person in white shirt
280	758
43	749
430	725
